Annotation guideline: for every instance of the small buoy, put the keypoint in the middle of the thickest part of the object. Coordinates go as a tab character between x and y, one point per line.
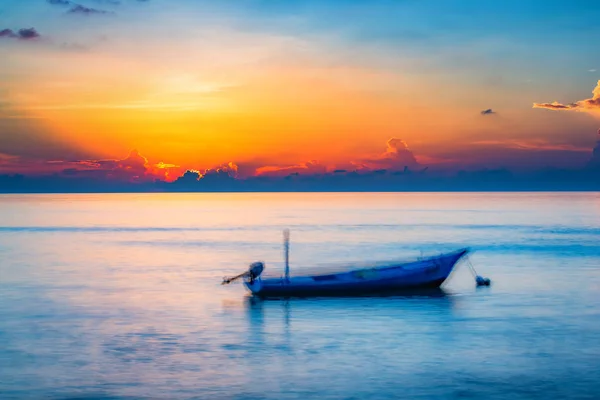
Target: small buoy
481	281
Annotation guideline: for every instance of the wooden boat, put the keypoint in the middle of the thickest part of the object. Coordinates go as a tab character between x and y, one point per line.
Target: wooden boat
424	273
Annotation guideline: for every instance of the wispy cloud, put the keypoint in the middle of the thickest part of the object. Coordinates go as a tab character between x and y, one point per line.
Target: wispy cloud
308	168
141	105
80	7
111	2
83	10
6	158
72	3
76	8
532	145
587	105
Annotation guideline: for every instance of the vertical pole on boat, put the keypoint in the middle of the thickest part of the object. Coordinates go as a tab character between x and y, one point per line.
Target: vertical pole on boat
286	249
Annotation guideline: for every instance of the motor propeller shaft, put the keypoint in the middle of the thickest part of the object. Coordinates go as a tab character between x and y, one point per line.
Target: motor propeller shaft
227	281
253	272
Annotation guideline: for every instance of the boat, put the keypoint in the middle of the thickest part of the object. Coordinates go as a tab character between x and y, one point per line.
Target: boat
383	277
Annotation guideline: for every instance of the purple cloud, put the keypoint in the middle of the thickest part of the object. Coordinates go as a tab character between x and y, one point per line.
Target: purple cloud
23	34
8	33
28	34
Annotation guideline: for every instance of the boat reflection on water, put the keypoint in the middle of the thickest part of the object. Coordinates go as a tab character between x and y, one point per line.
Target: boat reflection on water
407	306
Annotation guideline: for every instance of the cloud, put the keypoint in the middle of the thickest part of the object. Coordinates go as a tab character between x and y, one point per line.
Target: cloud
163	171
532	145
224	170
133	168
189	177
223	177
22	34
308	168
222	173
83	10
134	163
397	150
396	157
71	3
29	33
136	173
587	105
592	70
489	111
7	158
79	9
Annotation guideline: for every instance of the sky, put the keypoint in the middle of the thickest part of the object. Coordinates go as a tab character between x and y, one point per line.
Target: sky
150	89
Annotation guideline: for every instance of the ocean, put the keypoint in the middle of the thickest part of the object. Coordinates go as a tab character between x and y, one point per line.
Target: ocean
118	296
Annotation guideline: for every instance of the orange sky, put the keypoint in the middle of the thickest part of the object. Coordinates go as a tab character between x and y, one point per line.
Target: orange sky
206	94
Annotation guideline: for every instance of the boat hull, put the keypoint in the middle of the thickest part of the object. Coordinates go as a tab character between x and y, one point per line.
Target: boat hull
428	273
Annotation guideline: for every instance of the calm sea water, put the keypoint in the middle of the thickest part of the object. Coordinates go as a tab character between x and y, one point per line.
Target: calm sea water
118	296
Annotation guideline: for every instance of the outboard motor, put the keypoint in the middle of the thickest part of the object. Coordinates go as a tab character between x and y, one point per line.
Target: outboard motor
256	268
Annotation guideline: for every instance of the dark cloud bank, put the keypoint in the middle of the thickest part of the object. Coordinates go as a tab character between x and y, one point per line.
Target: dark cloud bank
340	181
132	175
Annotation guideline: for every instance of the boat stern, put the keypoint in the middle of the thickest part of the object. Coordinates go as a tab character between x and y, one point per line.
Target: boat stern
254	285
